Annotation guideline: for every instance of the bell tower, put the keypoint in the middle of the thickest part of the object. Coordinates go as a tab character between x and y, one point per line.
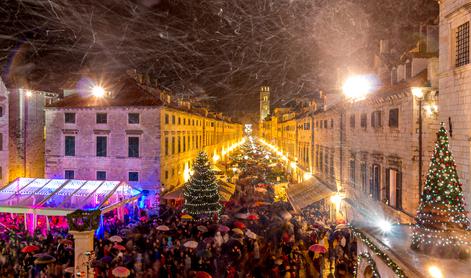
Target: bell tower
264	102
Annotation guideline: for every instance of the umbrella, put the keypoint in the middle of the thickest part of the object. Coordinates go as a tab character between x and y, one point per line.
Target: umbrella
208	240
191	244
317	248
163	228
239	225
46	259
252	217
115	239
187	217
39	255
106	259
238	231
29	249
202	274
66	242
341	226
225	217
241	215
121	271
260	189
119	247
341	221
279	262
202	229
223	229
251	235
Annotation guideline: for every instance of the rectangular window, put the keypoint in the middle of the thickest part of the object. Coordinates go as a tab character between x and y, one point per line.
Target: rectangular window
462	45
363	177
375	182
394	188
69	118
352	172
1	111
331	123
166	119
325	124
178	145
101	145
376	119
184	144
101	118
352	121
69	143
179	121
133	118
101	175
166	145
363	120
133	147
173	145
133	176
69	174
173	119
394	117
332	172
1	141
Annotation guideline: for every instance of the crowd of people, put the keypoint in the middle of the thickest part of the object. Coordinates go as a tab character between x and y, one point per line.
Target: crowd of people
254	237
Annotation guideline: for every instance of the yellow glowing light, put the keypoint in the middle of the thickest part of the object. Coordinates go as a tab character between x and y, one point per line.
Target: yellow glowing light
98	91
417	92
357	87
216	157
29	93
307	175
435	271
186	173
336	200
293	165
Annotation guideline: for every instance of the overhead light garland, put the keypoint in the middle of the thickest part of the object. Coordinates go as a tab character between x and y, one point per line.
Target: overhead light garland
380	254
370	261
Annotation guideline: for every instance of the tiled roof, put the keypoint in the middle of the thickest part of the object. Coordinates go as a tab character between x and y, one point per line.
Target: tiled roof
126	92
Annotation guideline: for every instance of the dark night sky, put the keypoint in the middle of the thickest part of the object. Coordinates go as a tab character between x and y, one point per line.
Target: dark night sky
214	49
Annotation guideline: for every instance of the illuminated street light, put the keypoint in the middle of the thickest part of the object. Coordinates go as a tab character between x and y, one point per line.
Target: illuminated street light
293	165
435	271
29	93
385	226
307	175
216	157
357	87
98	91
417	92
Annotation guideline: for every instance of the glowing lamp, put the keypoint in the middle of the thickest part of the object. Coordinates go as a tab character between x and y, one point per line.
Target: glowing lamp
216	157
336	199
435	271
186	173
417	92
98	91
29	93
293	165
385	226
357	87
307	175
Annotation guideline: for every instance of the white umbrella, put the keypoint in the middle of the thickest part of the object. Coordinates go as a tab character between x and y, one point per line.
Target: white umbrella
260	189
202	229
163	228
115	239
241	215
191	244
251	234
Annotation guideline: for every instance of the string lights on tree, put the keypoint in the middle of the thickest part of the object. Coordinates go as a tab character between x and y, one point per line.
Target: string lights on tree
441	217
202	191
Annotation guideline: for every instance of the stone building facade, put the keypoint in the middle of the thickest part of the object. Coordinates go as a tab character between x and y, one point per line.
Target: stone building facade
4	138
133	134
455	83
26	132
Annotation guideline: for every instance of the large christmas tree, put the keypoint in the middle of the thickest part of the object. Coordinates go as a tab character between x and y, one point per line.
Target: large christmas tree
202	191
441	218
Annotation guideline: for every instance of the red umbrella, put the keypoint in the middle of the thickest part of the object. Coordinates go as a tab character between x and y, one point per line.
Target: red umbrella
252	217
121	271
29	249
202	274
317	248
239	225
119	247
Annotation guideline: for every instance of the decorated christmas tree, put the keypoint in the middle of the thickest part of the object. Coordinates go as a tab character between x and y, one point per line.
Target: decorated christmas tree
202	191
441	217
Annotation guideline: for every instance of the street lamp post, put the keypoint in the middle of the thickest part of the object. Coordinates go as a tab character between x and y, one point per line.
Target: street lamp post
419	94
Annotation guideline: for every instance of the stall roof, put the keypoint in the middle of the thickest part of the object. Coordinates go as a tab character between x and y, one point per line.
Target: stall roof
308	192
61	196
